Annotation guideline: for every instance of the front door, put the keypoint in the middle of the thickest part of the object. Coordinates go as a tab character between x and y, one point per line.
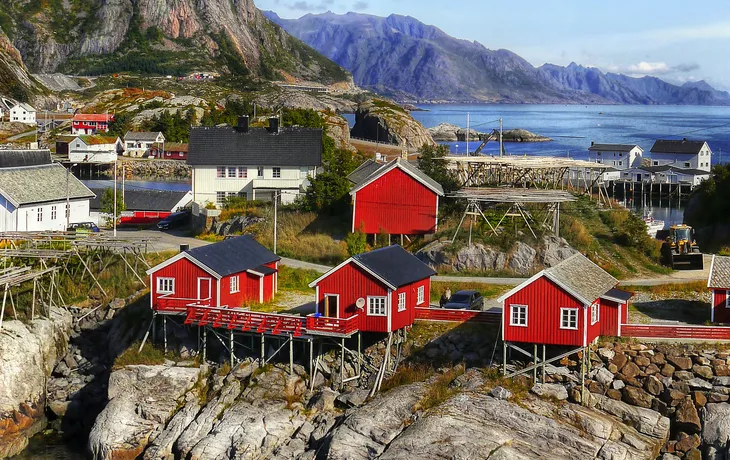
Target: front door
331	306
204	288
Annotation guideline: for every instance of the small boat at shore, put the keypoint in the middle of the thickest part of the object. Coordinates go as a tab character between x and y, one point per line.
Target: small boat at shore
653	225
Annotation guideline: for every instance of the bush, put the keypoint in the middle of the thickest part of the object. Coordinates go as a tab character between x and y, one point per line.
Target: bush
356	243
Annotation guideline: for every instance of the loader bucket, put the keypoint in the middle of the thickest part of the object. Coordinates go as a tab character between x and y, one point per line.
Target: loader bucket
692	261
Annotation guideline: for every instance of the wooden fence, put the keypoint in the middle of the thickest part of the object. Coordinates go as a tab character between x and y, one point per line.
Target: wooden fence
460	316
657	331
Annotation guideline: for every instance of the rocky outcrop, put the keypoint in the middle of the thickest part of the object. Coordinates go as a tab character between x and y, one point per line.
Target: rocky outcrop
383	121
28	353
521	259
142	399
15	81
338	129
446	132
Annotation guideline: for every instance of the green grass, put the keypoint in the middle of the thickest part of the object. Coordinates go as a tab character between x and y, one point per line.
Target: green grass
440	390
671	290
296	279
410	373
150	355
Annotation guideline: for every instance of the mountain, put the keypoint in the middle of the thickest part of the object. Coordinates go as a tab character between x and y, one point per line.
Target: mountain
15	81
158	37
401	57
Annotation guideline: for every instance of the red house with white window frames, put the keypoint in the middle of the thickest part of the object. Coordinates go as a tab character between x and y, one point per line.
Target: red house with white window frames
383	287
719	284
569	304
230	273
91	123
395	198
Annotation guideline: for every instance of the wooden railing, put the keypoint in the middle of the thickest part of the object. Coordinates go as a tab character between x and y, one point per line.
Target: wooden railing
659	331
179	304
326	324
460	316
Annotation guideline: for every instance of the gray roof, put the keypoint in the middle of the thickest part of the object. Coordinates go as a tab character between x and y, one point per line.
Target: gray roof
720	273
257	147
618	294
403	164
582	278
363	171
141	136
144	200
235	255
395	265
26	107
17	158
683	146
675	169
612	147
40	184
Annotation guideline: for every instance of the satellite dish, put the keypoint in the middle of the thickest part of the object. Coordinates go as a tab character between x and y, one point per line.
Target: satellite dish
360	303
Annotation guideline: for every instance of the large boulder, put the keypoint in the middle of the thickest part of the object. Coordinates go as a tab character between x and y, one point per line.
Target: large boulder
142	399
555	250
479	258
522	260
387	122
28	353
716	428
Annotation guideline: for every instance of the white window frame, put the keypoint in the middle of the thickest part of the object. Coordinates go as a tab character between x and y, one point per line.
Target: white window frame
235	285
371	305
165	285
727	298
276	172
595	312
54	212
39	217
231	172
260	171
401	301
218	198
220	172
563	312
421	297
512	309
242	173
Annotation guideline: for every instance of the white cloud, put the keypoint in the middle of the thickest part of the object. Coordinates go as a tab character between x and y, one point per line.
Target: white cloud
648	68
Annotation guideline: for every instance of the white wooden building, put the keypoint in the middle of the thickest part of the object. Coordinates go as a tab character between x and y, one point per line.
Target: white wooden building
253	163
138	144
685	154
94	149
23	113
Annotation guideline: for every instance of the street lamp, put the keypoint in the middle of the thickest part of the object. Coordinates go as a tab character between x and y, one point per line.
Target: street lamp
68	198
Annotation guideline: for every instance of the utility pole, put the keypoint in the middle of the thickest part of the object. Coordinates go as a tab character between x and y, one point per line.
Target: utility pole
123	174
68	196
276	200
114	217
500	137
467	133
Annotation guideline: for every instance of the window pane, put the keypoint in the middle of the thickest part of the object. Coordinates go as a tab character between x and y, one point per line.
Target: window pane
231	172
221	171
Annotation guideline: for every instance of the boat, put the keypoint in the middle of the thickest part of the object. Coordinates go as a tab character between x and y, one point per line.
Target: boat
653	225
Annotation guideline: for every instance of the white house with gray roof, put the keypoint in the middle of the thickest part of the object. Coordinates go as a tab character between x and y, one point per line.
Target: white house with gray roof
253	163
139	143
33	198
23	113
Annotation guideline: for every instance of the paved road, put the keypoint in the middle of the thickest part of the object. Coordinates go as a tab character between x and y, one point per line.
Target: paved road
21	135
171	241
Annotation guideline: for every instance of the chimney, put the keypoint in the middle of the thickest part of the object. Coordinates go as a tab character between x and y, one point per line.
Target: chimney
273	125
592	143
242	124
184	247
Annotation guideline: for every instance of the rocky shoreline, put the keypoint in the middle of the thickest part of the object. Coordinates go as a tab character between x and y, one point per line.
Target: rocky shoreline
447	132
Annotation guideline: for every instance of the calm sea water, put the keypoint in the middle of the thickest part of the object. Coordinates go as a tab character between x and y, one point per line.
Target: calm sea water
573	127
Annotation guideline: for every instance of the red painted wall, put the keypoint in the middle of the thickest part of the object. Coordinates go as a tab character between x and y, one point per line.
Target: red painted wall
395	204
405	318
144	217
609	318
544	300
722	313
186	276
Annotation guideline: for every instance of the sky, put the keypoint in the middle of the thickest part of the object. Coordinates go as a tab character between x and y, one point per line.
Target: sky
675	40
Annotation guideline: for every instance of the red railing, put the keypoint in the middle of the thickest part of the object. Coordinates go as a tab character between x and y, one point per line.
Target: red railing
245	320
326	324
179	305
460	316
657	331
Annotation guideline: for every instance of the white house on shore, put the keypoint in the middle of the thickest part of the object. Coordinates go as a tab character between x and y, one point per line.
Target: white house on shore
618	157
33	193
685	154
94	149
253	163
138	143
23	113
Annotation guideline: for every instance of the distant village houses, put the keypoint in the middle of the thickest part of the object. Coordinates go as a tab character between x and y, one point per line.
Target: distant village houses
23	113
617	156
170	151
138	144
34	192
682	154
253	163
91	123
90	149
143	207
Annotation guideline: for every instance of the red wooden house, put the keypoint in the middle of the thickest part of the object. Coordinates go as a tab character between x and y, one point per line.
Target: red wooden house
719	284
383	287
91	123
395	198
230	273
571	303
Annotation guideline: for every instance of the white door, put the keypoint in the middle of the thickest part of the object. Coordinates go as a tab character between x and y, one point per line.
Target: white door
204	288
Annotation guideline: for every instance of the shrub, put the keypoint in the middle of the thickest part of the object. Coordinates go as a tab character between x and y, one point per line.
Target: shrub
356	243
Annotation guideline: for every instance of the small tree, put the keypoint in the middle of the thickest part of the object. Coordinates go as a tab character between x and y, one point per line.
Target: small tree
356	242
433	163
107	206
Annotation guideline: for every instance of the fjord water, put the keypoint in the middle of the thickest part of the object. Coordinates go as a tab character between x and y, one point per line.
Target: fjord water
573	127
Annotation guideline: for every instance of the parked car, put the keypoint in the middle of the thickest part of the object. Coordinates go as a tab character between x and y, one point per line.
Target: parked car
465	300
83	227
174	220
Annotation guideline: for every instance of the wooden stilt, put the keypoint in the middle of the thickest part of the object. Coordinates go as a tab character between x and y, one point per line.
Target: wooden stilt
263	350
205	344
504	358
359	355
32	307
144	340
543	363
12	303
230	347
342	358
583	378
164	334
2	311
534	362
291	355
311	359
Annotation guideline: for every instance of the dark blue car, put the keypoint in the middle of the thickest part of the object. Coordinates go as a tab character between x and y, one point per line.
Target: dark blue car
174	220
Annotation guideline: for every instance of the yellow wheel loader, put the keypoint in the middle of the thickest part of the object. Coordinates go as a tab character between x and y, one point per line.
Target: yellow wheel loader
680	249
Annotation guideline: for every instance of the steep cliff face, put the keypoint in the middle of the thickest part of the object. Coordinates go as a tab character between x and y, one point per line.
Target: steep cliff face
382	121
15	81
159	36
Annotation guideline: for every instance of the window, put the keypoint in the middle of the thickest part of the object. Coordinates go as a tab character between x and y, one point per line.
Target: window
420	291
376	306
220	171
276	173
231	172
595	312
54	213
620	154
220	197
727	299
401	301
620	163
518	315
165	285
656	163
568	318
40	214
598	153
686	165
260	171
68	211
242	173
234	284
